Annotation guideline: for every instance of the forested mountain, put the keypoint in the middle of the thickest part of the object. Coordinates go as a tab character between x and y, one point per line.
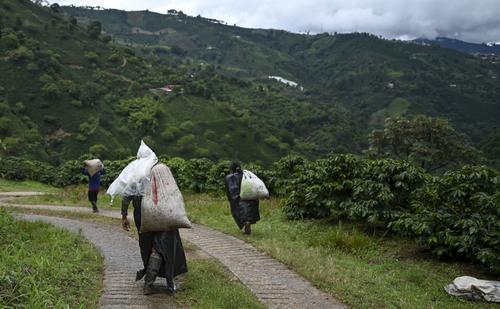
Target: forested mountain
371	77
67	88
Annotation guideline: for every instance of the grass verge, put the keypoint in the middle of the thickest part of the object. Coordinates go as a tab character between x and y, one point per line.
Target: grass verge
69	196
26	185
206	285
36	270
362	268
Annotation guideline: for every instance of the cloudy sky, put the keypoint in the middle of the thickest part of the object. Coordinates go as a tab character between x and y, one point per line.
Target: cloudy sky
469	20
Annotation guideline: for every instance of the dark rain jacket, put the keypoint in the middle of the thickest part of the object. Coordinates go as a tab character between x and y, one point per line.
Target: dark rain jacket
168	244
242	210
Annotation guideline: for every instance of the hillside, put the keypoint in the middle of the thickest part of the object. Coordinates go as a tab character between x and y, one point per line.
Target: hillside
67	90
370	76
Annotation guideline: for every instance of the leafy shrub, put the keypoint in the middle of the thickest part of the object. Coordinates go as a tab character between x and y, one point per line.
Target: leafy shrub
197	172
320	186
216	175
5	125
283	173
178	166
51	91
383	191
91	57
458	214
10	40
15	168
20	54
69	173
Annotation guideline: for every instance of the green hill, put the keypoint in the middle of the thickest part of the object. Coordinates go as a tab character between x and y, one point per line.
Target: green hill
67	88
361	72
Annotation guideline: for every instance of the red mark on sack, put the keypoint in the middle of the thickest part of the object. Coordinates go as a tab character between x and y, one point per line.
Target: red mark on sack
155	192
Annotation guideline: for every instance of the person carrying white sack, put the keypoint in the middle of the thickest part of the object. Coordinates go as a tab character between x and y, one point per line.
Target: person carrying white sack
162	252
94	169
245	212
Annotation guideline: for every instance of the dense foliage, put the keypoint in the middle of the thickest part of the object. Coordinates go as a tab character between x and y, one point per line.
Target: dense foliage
428	142
456	214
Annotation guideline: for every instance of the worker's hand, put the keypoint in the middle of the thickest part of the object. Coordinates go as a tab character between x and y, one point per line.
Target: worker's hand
125	224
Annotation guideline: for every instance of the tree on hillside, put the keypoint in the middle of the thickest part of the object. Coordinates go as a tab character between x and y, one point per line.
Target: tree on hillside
431	143
94	29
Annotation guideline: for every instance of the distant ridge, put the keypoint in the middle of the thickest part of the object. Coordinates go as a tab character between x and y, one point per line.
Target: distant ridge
465	47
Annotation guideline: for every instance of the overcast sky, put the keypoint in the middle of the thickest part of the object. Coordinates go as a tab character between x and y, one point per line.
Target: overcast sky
469	20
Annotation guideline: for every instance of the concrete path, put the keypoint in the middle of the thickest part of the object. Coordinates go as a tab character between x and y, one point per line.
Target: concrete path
121	260
272	282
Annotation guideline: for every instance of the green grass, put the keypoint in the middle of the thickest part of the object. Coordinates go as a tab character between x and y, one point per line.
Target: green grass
206	285
358	265
209	285
36	270
25	185
361	267
70	196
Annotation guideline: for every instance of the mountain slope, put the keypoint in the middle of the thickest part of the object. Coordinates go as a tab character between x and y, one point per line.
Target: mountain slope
66	90
365	74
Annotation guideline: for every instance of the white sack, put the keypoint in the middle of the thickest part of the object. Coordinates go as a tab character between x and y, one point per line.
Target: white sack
93	166
252	188
135	175
472	288
162	207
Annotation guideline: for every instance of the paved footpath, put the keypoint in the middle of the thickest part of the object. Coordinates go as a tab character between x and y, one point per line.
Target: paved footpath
121	260
272	282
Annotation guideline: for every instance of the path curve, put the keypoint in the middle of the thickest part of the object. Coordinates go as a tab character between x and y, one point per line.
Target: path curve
121	260
271	281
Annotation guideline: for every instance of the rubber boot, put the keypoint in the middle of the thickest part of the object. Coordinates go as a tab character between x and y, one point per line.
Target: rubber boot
94	207
151	272
171	286
247	229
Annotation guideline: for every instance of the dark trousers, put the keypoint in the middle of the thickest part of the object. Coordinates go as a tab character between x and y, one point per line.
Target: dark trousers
92	195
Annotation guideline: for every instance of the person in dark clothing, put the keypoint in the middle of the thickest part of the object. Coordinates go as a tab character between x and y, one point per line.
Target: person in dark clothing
245	212
158	250
94	186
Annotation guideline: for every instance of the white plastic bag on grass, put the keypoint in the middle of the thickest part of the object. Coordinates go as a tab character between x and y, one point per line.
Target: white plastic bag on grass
162	206
134	176
252	188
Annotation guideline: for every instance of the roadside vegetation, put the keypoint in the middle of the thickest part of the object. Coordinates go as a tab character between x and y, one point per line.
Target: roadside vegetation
26	185
206	285
42	266
357	264
360	264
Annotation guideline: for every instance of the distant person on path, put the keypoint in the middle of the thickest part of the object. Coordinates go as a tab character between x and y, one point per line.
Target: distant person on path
245	212
158	250
94	185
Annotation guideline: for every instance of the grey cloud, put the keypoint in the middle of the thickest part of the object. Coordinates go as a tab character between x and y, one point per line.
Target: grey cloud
476	21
